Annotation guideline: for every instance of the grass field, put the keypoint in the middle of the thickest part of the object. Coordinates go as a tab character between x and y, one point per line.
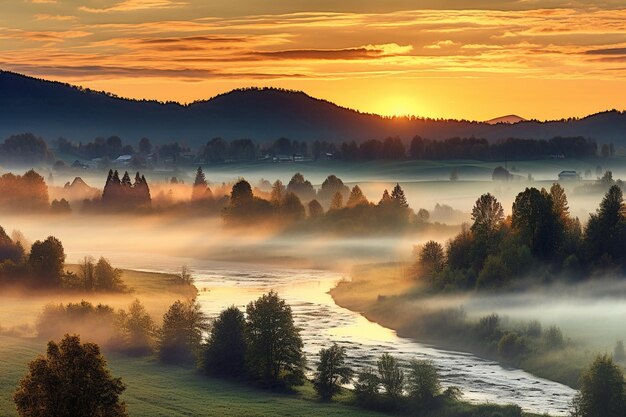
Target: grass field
155	390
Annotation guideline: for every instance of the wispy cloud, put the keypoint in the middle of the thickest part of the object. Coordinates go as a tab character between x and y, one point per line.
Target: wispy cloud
57	17
134	5
182	42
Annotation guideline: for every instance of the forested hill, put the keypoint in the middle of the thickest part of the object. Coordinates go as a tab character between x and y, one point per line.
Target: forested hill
52	109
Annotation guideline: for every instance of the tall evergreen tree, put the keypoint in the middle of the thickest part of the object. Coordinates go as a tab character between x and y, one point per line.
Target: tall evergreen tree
337	201
606	229
356	197
200	186
386	199
398	197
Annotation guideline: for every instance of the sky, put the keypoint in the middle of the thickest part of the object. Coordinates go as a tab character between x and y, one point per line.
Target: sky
469	59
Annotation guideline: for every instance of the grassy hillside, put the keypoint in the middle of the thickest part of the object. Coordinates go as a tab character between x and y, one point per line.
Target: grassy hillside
159	390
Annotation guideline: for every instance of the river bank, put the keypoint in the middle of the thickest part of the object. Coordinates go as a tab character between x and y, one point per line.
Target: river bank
382	294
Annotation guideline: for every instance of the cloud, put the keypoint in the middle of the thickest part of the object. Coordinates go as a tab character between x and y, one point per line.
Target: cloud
441	44
42	1
134	5
60	18
607	51
364	52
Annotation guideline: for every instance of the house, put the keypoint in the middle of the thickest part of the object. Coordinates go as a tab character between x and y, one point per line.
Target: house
568	176
283	158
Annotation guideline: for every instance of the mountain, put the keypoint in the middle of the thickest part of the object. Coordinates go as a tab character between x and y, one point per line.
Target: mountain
52	109
509	119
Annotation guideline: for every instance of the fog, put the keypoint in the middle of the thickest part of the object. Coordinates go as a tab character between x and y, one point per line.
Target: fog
590	314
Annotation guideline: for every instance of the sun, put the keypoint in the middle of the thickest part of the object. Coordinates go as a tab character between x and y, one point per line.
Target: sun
399	106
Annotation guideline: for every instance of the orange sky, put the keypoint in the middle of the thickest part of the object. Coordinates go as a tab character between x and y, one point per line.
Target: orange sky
540	59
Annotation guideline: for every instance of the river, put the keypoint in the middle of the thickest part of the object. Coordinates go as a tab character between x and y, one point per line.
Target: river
322	322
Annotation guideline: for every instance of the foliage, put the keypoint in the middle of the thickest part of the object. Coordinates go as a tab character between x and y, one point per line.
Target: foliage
391	376
367	387
432	257
47	259
200	190
181	334
137	330
274	347
331	371
58	319
72	379
423	383
106	278
225	350
356	197
602	391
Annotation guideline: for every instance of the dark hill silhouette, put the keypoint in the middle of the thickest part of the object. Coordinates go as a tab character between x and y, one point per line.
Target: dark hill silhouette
510	119
53	109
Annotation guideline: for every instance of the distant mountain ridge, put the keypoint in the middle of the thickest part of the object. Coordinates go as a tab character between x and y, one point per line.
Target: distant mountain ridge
52	109
510	119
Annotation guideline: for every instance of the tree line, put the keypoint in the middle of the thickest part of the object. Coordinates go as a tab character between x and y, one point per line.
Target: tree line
41	266
540	239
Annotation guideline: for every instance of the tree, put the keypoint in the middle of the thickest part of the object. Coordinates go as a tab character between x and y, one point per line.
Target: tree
534	219
185	277
241	194
337	201
332	185
331	371
605	230
86	273
601	390
301	187
200	190
47	259
487	215
108	278
356	197
137	329
225	349
72	379
278	190
423	382
181	334
315	209
391	376
291	208
559	203
386	199
619	353
274	347
432	257
366	387
398	197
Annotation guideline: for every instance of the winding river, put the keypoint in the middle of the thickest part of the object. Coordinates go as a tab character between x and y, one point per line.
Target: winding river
322	322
